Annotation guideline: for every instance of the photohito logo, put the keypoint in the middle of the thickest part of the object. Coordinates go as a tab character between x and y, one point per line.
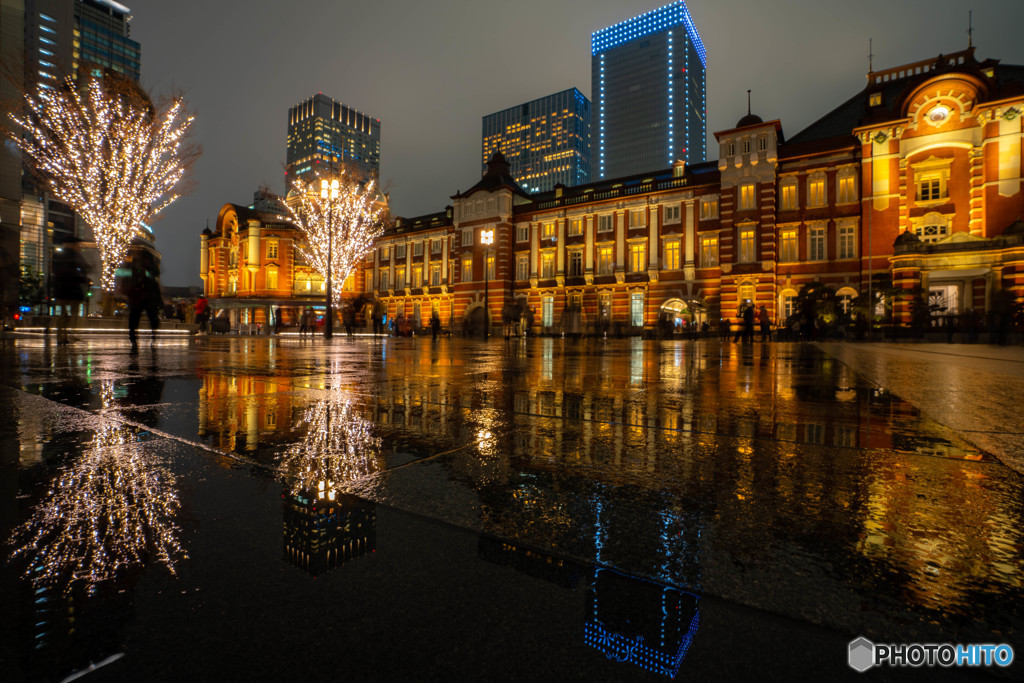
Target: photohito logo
863	654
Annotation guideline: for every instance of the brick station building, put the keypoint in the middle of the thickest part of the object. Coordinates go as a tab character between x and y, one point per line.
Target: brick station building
911	187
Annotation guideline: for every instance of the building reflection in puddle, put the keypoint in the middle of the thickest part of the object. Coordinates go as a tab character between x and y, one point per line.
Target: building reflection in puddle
324	529
720	453
636	621
640	622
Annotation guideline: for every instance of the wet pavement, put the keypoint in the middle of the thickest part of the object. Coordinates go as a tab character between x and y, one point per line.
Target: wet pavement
258	508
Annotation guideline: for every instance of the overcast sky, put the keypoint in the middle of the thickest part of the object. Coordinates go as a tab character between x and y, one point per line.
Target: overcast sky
429	70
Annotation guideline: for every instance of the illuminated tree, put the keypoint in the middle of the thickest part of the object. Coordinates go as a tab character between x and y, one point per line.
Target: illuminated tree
105	514
340	218
104	150
339	447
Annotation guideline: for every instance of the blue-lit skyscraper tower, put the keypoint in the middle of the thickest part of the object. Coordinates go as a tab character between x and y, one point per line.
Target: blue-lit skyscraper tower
648	91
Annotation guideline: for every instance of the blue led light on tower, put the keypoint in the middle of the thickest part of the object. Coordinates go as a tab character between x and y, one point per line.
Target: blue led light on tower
637	127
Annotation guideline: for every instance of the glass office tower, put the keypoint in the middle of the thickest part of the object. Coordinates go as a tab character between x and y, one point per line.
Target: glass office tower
324	134
546	141
648	87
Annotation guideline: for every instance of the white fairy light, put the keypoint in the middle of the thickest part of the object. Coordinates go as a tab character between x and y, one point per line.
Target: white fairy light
105	514
343	223
339	447
111	158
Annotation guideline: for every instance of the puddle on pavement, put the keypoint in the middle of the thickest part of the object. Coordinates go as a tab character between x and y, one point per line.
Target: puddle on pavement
678	471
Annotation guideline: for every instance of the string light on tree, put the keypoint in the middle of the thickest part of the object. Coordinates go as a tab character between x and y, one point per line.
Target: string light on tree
340	219
109	154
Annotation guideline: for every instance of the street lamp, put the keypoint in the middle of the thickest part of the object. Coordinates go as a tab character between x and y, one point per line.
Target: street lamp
487	239
329	192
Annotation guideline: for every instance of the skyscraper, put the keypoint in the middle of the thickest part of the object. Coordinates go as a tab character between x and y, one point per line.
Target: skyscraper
648	86
546	141
323	133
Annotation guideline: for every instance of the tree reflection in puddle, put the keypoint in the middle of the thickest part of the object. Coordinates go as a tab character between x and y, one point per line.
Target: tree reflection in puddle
339	447
105	514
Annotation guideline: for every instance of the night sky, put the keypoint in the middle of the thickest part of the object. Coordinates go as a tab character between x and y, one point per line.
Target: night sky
430	70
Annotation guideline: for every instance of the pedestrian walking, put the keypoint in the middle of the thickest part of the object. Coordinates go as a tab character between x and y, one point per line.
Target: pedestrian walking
748	324
202	314
143	291
766	324
435	325
70	275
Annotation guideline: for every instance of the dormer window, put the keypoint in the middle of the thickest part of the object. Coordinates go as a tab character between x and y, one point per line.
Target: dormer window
875	99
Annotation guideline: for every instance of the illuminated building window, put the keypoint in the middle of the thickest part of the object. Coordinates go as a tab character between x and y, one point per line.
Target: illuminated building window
417	278
747	292
417	248
672	213
746	244
547	311
272	249
931	186
548	232
847	186
604	260
383	280
523	233
467	268
637	219
708	208
847	236
787	190
747	200
875	99
490	267
271	278
637	257
576	226
788	245
522	267
385	253
671	250
435	274
349	285
605	224
467	238
547	264
400	277
709	251
931	227
816	190
575	262
816	243
636	309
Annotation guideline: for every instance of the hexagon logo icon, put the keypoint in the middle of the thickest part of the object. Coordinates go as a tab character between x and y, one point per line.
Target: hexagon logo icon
862	654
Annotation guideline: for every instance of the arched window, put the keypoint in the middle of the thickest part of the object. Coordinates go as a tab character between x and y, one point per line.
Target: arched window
845	297
787	304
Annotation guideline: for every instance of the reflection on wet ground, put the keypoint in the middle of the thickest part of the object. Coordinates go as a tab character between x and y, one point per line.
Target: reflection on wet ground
637	507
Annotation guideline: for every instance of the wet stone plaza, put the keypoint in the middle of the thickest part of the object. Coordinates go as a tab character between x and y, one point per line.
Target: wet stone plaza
401	509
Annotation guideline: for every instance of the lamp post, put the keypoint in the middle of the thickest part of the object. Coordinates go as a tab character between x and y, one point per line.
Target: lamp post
487	239
329	193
